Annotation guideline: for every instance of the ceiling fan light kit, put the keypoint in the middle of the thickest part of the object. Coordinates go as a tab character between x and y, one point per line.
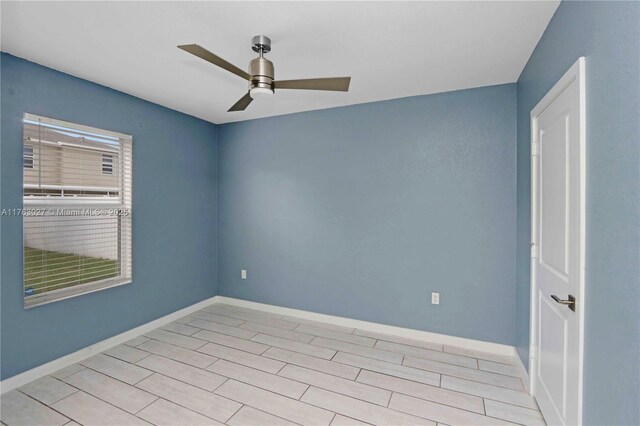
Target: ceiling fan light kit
261	73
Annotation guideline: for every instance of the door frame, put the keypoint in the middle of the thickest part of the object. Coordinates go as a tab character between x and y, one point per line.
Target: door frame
575	73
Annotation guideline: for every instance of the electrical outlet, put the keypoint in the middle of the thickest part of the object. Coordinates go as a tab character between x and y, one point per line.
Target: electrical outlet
435	298
243	274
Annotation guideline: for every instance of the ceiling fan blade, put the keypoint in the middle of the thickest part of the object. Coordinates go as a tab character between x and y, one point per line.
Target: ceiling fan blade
203	53
339	84
242	104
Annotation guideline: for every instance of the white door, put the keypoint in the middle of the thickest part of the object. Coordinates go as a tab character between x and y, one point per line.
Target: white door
557	265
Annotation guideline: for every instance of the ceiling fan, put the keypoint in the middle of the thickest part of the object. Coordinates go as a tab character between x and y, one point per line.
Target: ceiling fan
261	73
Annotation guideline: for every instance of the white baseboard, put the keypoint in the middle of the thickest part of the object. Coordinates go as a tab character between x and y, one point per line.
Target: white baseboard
444	339
50	367
72	358
524	374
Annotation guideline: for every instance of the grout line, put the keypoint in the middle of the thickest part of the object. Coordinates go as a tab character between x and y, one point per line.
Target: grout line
164	327
176	360
476	381
471	351
175	344
207	367
226	379
109	375
252	368
456	408
136	413
463	367
48	406
195	349
141	359
135	346
338	392
392	391
209	341
277	373
444	389
406	341
358	376
169	377
189	409
305	391
390	395
497	400
105	401
266	412
135	385
263	388
334	355
248	353
166	343
273	333
237	411
315	369
535	410
353	353
180	405
381	406
54	378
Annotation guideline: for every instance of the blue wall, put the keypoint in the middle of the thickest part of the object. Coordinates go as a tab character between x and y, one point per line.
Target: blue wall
174	215
607	33
363	211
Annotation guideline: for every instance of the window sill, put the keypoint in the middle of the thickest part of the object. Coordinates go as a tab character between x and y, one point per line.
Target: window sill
67	293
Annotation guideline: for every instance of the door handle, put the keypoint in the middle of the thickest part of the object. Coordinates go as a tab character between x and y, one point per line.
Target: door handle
570	302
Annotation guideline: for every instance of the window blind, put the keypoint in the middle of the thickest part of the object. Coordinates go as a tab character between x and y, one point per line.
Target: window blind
77	209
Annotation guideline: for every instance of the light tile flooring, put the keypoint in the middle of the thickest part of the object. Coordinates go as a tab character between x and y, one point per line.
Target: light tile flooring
237	366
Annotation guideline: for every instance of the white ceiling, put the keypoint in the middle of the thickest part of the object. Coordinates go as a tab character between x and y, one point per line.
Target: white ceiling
391	49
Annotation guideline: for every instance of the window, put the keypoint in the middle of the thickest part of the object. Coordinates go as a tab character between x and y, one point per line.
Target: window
27	156
77	209
107	164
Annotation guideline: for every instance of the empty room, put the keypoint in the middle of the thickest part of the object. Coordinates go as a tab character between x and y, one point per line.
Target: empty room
319	213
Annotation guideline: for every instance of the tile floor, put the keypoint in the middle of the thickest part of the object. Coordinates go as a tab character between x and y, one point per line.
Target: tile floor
237	366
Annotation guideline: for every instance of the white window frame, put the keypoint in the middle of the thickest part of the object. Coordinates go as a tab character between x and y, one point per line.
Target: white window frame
123	199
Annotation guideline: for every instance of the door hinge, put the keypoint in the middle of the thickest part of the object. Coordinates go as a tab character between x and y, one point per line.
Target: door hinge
535	147
534	250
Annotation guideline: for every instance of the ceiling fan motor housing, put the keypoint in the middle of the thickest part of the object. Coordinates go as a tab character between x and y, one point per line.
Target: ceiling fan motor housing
261	70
